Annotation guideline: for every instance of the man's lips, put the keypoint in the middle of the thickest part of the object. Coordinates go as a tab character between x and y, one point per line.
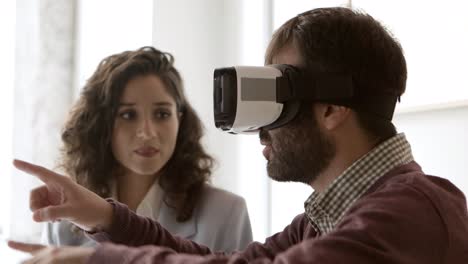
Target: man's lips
267	152
147	152
265	140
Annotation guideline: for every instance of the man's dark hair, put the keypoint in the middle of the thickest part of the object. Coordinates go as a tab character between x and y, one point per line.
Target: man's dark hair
344	40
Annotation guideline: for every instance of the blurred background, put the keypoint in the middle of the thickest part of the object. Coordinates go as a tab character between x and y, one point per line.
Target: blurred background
49	48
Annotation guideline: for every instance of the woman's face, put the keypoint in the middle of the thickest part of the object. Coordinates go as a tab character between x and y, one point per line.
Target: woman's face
146	125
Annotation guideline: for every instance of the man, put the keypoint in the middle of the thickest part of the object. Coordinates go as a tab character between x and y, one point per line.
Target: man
372	202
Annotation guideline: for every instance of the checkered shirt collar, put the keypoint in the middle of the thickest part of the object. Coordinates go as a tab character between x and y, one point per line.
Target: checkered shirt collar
324	210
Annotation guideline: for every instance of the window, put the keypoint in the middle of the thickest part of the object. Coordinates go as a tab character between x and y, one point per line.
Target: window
7	67
434	38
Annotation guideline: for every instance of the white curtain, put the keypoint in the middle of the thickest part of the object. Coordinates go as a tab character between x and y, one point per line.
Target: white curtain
45	33
7	47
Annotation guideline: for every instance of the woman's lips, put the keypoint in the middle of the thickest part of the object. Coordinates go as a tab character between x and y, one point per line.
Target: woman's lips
147	152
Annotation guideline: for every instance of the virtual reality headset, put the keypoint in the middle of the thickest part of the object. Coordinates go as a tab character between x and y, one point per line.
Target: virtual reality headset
249	98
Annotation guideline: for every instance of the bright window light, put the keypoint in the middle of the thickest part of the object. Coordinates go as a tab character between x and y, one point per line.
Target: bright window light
434	36
7	66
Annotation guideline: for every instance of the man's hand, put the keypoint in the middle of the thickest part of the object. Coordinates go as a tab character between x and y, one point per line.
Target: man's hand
61	198
42	254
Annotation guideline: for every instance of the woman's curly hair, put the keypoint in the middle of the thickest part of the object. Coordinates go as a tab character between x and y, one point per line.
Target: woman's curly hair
86	154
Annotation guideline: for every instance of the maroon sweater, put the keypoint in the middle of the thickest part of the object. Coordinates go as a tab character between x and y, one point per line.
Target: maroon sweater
405	217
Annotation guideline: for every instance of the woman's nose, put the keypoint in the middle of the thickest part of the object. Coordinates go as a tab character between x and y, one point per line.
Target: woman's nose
146	130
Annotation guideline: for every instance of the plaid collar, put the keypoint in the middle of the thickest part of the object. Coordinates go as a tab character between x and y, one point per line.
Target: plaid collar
324	210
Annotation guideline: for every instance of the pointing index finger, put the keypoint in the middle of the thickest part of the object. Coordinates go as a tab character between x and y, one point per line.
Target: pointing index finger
42	173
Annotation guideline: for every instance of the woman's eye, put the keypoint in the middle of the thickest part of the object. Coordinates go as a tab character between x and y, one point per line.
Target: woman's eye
127	115
162	114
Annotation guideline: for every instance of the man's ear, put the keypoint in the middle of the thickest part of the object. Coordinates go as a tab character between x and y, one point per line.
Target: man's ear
331	116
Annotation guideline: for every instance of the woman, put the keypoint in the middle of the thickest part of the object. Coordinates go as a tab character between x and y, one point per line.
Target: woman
133	136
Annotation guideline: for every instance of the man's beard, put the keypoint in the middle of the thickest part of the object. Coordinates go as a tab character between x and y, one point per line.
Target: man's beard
300	151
